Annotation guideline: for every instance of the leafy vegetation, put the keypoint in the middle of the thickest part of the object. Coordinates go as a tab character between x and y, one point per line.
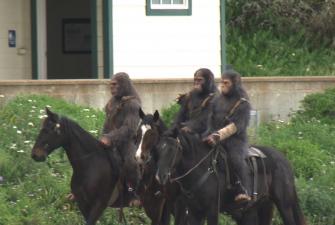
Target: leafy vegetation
281	38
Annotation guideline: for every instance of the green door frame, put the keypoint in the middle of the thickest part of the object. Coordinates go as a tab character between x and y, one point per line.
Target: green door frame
108	38
223	35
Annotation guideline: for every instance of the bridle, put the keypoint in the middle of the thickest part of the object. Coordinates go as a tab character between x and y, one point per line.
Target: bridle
179	148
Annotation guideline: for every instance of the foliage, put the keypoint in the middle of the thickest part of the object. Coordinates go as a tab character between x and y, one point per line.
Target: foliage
315	18
318	106
169	113
282	37
308	141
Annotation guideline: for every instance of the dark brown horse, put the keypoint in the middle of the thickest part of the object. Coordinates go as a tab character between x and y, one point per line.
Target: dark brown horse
159	204
185	159
96	170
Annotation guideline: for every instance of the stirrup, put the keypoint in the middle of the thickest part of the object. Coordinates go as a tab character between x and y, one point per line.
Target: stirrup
242	197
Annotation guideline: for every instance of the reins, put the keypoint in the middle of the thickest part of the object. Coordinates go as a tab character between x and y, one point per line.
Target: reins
194	167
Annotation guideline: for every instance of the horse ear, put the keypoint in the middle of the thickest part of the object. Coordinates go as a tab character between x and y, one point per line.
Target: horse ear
141	113
156	116
53	116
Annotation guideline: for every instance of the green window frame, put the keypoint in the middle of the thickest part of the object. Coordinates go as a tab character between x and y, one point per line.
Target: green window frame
168	7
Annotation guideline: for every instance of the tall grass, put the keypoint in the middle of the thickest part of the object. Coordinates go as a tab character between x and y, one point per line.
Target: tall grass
263	54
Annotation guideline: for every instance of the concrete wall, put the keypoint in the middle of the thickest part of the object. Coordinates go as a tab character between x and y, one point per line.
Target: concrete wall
273	98
15	63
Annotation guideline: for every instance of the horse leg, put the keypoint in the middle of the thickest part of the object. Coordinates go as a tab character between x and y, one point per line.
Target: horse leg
265	213
213	219
96	211
288	207
195	218
249	217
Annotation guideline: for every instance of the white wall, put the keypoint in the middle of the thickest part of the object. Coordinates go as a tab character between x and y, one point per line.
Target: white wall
166	46
15	63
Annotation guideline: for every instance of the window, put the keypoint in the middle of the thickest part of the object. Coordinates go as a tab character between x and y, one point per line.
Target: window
169	7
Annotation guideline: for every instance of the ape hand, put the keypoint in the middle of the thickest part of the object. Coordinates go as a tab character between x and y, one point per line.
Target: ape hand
105	140
186	129
212	139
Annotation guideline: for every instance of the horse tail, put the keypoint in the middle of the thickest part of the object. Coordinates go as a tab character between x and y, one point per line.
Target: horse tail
297	212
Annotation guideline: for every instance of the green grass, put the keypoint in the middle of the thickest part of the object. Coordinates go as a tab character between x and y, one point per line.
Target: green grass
263	54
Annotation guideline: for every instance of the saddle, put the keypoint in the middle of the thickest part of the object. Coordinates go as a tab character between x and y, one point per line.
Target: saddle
253	155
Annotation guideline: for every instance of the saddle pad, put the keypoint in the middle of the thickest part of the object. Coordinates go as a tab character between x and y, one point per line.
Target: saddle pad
255	152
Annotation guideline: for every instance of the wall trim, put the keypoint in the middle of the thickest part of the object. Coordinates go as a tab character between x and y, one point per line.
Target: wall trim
94	39
108	38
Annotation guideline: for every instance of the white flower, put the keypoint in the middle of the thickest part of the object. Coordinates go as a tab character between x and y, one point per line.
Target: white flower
93	131
27	141
259	66
86	110
29	100
93	116
2	96
42	116
293	54
19	132
13	146
14	127
48	106
20	151
34	107
30	124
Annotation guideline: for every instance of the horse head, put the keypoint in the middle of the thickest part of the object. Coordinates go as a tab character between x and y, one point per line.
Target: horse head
50	137
169	154
148	133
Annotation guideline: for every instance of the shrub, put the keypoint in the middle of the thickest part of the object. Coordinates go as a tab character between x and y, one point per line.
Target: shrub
318	106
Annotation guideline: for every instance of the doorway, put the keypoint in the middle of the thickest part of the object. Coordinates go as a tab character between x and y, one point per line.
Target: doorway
68	37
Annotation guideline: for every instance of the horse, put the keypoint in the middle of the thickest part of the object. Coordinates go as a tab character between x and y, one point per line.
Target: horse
96	169
185	159
158	204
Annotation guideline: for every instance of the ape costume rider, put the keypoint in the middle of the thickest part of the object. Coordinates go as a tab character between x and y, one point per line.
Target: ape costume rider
230	115
121	124
194	110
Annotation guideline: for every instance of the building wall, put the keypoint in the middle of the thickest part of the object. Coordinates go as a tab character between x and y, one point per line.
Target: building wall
272	97
166	46
15	63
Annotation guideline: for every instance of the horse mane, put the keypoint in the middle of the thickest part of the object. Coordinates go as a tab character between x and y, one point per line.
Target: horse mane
88	141
192	143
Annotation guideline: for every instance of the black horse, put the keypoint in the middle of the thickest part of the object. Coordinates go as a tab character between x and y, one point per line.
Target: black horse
158	203
185	159
96	170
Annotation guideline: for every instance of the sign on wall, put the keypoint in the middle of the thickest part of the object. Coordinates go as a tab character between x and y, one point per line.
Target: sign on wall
11	38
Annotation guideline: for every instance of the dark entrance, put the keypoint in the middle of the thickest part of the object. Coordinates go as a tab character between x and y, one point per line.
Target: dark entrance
69	45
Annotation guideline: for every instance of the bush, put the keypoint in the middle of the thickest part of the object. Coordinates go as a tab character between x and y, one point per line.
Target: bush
318	106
